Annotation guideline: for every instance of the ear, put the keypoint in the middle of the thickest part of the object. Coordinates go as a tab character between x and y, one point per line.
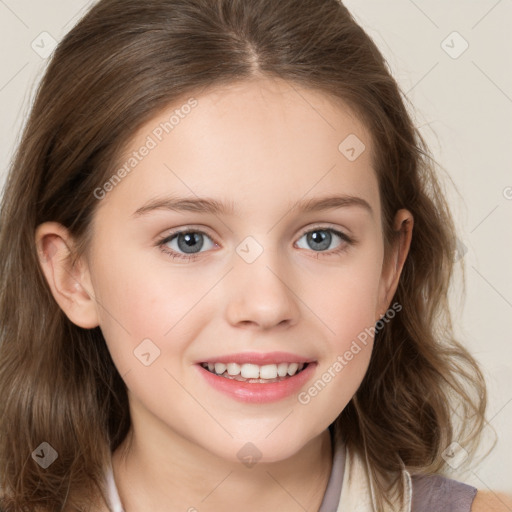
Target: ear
392	268
70	283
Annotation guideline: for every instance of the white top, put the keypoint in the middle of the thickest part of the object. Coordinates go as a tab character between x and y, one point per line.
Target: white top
113	495
330	500
348	488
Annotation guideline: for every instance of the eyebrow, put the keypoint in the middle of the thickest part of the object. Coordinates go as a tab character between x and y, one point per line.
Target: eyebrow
209	205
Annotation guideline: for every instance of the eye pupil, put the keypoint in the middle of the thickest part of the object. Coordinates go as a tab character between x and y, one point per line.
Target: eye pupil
187	241
323	239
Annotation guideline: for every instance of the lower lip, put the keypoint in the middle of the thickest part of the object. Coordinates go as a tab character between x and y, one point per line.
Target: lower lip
258	392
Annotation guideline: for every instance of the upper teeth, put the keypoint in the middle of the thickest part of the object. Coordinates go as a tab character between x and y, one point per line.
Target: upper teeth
253	371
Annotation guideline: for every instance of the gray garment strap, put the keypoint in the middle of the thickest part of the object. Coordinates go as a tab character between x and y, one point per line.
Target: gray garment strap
429	492
333	491
436	492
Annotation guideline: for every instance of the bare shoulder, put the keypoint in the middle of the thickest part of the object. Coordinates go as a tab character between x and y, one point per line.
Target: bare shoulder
488	501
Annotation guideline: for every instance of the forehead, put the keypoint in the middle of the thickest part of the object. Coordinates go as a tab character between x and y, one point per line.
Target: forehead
250	142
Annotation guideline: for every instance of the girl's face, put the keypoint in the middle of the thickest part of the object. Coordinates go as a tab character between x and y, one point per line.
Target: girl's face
252	274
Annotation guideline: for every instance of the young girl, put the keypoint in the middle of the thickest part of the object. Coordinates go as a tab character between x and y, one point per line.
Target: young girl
225	259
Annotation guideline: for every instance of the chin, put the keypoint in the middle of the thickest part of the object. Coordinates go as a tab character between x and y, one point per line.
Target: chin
249	450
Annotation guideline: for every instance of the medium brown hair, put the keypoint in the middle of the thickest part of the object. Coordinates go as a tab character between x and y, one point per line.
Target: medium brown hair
123	63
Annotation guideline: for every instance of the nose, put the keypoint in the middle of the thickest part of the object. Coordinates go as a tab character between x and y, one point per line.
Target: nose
261	294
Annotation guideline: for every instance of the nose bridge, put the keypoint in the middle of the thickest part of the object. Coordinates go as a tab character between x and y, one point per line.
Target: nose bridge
260	291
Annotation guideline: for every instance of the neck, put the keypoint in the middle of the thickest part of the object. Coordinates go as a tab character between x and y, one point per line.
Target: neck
186	477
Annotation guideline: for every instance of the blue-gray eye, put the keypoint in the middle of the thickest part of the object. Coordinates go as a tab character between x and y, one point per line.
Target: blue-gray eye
319	239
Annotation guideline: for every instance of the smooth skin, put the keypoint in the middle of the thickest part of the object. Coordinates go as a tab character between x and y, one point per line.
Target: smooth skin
259	146
489	501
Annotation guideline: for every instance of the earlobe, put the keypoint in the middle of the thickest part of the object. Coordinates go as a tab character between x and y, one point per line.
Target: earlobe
69	281
392	269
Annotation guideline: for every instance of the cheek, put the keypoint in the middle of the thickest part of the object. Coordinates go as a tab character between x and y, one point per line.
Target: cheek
345	298
346	305
349	314
138	302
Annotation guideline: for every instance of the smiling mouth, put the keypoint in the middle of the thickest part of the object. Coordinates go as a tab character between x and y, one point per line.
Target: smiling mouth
252	373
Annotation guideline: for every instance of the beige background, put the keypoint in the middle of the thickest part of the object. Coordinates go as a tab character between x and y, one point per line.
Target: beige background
463	104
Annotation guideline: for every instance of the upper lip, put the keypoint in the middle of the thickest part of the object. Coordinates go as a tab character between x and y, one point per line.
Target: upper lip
258	358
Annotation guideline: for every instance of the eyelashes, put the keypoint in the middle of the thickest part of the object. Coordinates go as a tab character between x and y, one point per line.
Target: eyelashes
173	253
195	236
